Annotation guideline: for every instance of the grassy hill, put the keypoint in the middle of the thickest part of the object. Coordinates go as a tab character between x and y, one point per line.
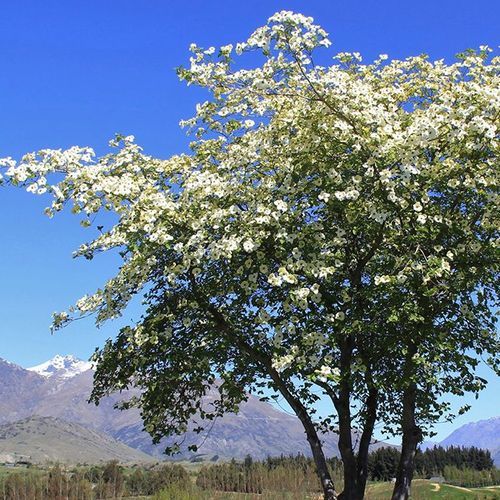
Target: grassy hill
45	439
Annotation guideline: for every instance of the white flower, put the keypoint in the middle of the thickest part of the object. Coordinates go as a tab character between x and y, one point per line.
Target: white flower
379	216
353	194
402	278
380	280
240	47
324	197
324	371
327	372
285	275
274	280
281	205
445	265
417	206
249	246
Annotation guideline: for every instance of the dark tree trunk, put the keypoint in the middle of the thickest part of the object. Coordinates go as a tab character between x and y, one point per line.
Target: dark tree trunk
350	491
355	465
366	438
412	435
321	465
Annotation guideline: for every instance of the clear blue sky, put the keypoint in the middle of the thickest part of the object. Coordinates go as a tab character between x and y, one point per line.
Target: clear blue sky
76	72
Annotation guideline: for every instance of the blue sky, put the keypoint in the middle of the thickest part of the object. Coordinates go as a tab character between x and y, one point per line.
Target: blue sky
76	72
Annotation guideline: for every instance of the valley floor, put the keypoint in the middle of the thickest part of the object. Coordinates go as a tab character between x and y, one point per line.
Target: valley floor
421	490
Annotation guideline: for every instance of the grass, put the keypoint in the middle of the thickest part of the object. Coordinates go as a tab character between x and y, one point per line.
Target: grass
206	495
4	471
195	493
425	490
421	490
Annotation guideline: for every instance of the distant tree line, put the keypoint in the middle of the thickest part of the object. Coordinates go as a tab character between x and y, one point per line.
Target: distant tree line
91	483
148	482
470	478
54	484
458	465
383	462
469	467
285	473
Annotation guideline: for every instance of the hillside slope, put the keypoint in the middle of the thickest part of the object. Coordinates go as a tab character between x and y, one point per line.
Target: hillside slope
20	391
45	439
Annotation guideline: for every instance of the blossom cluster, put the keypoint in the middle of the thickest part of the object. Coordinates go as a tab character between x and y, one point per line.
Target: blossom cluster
309	191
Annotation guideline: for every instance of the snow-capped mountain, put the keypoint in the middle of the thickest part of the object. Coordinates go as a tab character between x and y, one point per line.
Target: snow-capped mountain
259	429
62	367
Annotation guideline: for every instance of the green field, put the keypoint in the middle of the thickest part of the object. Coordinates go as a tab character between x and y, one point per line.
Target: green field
16	470
423	490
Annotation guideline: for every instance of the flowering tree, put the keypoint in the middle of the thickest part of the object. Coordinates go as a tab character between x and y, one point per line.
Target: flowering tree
333	228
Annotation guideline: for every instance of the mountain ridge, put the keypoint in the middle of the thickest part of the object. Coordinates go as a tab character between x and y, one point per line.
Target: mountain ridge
482	434
61	366
259	429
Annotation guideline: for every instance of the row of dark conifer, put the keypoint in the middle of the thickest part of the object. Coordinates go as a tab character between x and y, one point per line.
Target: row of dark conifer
383	462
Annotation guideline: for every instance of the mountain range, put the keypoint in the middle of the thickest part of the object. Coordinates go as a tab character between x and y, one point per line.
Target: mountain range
50	400
60	388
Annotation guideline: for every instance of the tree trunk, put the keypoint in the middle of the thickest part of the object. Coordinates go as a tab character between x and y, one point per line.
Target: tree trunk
352	489
321	465
356	466
312	436
412	435
366	438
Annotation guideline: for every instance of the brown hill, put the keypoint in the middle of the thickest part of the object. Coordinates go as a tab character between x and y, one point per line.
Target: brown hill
47	439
